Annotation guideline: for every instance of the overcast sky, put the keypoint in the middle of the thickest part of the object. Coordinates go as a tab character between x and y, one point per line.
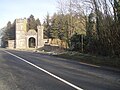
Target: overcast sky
12	9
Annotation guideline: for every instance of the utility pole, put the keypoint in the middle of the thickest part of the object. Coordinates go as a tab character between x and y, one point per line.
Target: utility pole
82	43
71	19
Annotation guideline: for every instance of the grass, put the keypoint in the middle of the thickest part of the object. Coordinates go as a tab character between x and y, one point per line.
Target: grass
97	60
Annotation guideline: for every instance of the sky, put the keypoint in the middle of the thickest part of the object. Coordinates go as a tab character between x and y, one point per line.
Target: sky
12	9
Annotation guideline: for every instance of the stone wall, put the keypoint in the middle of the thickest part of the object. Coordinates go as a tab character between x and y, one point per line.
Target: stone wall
57	42
11	44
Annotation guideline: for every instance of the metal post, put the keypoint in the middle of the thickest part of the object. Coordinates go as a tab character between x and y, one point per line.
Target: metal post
82	43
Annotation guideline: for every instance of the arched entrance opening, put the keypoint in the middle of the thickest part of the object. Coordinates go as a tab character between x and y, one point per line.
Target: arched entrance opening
32	42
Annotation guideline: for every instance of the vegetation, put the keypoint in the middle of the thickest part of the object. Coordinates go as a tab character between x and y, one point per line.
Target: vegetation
8	34
91	59
97	21
32	23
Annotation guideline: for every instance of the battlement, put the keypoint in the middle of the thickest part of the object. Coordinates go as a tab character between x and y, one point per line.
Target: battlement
21	24
20	20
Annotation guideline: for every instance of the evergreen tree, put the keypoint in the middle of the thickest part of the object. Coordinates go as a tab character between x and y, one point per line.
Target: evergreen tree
38	22
47	27
31	23
117	7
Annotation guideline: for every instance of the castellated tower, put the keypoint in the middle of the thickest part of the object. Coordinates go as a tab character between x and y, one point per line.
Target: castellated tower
40	36
21	29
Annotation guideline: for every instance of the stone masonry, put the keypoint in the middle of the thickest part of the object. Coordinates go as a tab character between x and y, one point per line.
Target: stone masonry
27	39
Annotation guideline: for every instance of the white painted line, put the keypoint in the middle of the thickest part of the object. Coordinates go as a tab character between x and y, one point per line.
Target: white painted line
89	64
92	65
49	73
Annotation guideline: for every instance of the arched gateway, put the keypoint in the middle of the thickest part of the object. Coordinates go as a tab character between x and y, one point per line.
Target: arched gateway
32	42
26	38
32	38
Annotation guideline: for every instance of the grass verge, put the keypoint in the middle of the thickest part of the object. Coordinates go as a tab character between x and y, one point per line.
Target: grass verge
96	60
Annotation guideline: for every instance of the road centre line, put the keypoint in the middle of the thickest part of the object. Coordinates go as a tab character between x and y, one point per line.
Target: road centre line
47	72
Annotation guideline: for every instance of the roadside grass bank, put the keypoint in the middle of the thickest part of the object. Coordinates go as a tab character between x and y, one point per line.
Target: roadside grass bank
96	60
80	57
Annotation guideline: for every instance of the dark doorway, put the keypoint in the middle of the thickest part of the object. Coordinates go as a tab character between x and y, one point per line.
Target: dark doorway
32	42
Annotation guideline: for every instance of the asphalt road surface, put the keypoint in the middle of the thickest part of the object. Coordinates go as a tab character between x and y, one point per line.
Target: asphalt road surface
22	70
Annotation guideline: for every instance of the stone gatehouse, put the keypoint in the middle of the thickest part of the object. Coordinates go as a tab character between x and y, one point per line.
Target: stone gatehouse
27	39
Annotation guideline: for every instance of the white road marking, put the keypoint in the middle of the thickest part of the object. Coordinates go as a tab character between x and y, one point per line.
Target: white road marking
89	64
49	73
92	65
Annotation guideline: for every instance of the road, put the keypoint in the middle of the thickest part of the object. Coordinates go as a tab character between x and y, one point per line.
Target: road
22	70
